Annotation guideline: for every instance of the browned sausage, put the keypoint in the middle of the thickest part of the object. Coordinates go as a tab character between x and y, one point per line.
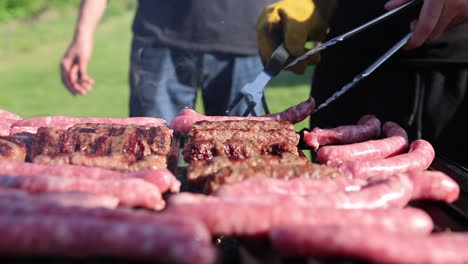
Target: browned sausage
368	127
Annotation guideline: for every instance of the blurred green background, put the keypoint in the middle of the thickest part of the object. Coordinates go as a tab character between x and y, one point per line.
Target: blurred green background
34	35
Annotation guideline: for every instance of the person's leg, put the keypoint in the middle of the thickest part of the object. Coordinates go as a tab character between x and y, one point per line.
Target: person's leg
162	81
222	79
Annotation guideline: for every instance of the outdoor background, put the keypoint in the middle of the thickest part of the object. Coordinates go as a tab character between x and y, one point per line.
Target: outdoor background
34	35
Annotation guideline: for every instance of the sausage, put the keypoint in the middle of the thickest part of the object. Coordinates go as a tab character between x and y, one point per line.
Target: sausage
21	129
297	113
433	185
36	235
7	119
396	142
369	244
130	192
163	179
4	128
187	117
368	127
82	199
21	207
418	158
4	114
394	192
244	219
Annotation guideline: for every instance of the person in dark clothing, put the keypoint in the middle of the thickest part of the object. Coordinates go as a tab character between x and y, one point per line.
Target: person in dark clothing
422	87
177	47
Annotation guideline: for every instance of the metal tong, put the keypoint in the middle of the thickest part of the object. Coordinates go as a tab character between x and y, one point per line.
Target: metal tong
253	91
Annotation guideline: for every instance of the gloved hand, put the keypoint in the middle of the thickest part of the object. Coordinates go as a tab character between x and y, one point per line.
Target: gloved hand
293	22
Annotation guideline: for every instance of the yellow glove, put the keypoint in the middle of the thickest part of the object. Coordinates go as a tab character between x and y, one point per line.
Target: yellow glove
293	22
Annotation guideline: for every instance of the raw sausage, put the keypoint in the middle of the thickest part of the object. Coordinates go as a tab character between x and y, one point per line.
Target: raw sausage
161	178
83	236
81	199
370	244
243	219
394	192
433	185
130	192
396	142
418	158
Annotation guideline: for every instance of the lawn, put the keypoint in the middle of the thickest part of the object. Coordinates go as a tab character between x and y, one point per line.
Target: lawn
29	71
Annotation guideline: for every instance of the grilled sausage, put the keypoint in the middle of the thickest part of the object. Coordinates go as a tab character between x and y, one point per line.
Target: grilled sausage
368	127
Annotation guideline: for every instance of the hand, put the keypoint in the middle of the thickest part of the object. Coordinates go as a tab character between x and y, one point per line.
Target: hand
74	65
293	22
435	17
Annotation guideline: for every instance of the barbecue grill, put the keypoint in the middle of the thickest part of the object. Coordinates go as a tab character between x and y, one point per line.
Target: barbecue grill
446	217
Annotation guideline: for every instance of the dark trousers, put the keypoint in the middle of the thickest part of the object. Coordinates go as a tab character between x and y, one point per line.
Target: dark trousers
164	80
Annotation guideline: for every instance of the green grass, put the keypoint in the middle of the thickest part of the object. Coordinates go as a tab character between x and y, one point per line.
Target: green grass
30	84
29	71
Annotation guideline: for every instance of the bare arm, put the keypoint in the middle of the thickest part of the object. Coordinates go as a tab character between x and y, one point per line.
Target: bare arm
435	17
91	12
75	61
